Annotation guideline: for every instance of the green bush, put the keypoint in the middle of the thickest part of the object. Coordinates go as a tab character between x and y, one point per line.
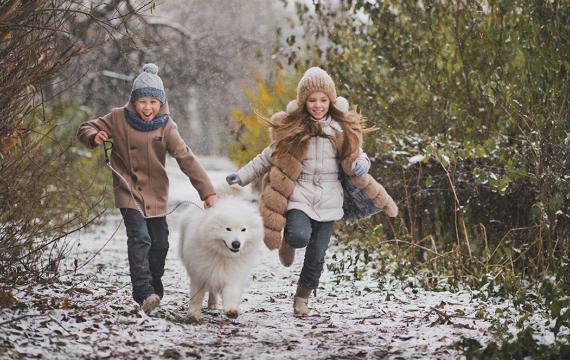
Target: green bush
472	102
51	185
522	347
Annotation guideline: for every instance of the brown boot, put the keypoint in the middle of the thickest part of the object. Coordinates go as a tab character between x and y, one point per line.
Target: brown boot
286	254
301	300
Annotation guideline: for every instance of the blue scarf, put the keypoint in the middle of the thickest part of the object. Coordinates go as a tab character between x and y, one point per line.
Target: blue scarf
136	122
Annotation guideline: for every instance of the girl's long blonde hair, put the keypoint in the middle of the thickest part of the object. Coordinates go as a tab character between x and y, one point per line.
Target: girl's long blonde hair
298	127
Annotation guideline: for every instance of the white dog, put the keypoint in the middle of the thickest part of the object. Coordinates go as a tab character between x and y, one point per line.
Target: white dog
219	247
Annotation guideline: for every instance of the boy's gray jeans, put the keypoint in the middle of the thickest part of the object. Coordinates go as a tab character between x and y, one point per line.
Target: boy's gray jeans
147	244
301	231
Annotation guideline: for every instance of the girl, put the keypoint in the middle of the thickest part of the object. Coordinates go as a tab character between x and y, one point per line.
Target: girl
315	143
144	132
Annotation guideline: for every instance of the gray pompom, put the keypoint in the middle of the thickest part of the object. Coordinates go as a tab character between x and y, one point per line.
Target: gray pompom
150	68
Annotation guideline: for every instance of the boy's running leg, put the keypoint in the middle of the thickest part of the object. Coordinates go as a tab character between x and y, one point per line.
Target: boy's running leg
138	245
158	230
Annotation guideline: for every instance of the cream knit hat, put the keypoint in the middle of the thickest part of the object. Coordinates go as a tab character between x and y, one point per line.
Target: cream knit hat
316	79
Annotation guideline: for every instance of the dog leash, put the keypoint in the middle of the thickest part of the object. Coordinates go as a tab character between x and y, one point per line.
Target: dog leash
108	146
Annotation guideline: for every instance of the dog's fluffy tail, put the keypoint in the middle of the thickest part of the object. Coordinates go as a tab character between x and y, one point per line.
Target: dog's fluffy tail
225	190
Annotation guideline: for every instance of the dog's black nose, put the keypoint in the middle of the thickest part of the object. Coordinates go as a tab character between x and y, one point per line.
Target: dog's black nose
236	244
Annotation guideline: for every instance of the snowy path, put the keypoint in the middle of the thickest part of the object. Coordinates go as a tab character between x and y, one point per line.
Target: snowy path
91	314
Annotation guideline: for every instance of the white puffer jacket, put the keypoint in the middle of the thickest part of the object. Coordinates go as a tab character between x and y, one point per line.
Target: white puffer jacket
318	192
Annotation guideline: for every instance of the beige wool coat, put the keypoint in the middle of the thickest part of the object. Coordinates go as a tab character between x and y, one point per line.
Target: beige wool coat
280	181
140	157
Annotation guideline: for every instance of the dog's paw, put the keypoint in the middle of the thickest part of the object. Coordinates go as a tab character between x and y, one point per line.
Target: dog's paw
195	318
232	313
212	302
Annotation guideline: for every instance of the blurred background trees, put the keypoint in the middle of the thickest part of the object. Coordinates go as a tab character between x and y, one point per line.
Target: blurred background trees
205	50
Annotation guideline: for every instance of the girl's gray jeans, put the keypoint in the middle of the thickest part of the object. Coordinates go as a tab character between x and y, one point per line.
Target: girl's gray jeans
147	244
302	231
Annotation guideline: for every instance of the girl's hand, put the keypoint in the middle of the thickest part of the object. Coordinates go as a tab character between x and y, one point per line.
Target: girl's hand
233	179
210	201
100	137
360	167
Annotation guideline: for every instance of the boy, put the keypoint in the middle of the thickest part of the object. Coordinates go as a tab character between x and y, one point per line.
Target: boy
143	133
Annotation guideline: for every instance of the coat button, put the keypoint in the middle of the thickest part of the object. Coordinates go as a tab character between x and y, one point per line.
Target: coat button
139	188
134	178
148	207
133	147
135	169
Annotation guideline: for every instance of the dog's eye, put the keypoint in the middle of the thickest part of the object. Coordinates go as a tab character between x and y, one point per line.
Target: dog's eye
228	229
242	230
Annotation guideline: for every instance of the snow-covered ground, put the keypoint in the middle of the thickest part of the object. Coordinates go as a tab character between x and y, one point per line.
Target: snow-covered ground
91	314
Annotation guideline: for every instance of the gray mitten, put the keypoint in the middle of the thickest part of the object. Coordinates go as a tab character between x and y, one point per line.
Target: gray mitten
233	179
360	167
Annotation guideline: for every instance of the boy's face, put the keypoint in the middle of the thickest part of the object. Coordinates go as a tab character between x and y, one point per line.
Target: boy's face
147	107
318	104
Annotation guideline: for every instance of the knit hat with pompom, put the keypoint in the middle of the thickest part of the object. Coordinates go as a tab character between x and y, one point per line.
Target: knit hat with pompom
148	83
317	80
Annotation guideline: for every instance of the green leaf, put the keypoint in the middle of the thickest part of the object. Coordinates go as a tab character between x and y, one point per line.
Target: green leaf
429	182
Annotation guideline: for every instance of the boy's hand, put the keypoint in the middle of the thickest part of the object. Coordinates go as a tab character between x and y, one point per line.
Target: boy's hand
210	201
100	137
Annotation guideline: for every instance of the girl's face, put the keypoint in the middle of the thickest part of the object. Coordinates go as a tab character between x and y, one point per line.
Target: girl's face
147	107
318	104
